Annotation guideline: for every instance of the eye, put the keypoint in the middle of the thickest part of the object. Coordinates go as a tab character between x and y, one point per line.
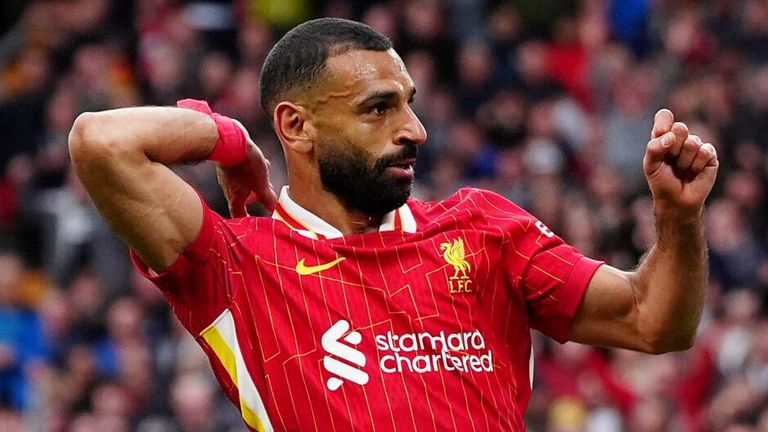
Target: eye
378	109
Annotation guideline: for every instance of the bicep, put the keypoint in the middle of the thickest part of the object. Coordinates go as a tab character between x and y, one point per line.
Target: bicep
609	312
152	209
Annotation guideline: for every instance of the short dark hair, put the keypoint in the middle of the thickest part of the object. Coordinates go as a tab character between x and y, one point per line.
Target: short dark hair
299	57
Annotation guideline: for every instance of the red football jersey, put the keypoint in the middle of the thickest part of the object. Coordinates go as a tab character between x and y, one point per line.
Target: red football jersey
421	326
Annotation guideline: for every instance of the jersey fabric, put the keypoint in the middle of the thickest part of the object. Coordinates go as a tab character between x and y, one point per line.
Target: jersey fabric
421	326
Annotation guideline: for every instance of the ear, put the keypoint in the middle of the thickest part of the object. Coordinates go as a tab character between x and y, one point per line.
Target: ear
293	126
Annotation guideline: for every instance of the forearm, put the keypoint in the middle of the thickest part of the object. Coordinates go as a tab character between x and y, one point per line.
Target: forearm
165	135
670	284
657	308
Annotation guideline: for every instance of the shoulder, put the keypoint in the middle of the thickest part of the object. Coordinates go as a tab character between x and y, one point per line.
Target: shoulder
219	232
476	204
483	200
237	226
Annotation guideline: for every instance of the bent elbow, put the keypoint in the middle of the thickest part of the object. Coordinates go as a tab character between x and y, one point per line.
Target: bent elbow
91	139
83	137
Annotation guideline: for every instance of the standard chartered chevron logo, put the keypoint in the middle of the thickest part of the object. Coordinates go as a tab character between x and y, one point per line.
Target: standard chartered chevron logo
341	357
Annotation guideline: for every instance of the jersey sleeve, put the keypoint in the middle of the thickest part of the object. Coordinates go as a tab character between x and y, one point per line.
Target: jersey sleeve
551	274
197	285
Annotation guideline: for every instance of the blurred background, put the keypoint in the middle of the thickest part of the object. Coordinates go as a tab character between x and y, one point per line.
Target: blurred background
548	102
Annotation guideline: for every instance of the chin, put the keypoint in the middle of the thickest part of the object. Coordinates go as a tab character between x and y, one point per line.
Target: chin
383	201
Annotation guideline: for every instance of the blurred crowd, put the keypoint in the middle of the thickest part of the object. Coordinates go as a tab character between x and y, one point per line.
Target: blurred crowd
548	102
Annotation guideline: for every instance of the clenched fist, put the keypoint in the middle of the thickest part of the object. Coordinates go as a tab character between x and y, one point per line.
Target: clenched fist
679	167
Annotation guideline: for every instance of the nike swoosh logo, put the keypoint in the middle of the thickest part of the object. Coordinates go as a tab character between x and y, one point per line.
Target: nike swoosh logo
304	269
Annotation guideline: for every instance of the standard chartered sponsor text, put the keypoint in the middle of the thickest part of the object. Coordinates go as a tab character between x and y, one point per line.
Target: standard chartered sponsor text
463	352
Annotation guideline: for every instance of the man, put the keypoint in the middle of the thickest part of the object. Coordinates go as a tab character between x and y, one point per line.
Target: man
354	307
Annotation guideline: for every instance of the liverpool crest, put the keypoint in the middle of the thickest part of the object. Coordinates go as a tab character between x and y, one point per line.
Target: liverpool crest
453	253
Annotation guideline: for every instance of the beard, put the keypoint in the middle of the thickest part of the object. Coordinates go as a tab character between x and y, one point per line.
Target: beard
361	182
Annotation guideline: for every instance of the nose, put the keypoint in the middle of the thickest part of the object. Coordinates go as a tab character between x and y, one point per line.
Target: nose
412	131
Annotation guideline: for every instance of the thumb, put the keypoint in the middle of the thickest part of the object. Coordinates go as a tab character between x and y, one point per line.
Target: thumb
662	122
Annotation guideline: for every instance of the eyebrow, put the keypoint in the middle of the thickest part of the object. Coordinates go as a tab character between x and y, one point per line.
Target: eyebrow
384	96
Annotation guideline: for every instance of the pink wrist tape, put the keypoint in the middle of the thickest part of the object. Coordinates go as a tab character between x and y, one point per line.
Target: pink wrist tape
232	145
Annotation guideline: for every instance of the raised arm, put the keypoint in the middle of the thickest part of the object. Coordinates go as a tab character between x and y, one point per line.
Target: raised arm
657	308
122	158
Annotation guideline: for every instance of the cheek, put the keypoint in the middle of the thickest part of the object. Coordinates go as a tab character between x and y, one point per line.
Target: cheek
373	137
339	127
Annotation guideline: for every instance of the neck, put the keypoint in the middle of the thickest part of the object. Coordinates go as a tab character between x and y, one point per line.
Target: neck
312	197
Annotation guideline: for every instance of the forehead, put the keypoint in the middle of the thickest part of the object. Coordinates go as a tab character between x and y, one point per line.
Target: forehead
363	70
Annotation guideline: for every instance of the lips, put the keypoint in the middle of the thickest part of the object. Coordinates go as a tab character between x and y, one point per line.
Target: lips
402	169
404	164
399	164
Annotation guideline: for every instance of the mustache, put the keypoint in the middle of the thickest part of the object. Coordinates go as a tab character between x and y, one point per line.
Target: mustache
409	151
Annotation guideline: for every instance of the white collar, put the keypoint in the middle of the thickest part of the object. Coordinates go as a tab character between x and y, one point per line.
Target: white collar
310	225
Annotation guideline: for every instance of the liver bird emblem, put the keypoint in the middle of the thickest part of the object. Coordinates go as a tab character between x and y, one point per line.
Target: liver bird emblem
453	253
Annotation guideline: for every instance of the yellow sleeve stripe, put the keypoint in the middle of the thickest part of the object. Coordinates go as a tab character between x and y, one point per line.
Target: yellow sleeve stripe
223	352
221	336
